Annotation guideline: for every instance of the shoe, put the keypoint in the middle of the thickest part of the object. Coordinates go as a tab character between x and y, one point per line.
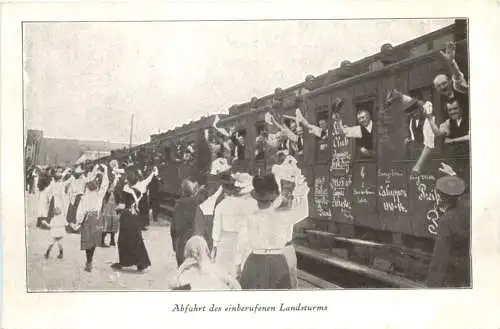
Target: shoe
112	244
88	267
60	256
116	266
104	245
140	269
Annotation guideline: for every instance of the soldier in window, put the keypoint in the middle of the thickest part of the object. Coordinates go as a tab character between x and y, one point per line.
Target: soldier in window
238	140
456	89
455	129
458	84
362	132
420	138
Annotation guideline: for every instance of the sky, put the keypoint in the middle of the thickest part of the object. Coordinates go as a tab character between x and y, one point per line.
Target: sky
84	80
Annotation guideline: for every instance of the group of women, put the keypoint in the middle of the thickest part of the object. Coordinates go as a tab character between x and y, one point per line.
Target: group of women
94	203
236	232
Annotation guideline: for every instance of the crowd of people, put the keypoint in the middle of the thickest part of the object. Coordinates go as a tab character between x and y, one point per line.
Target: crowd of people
95	201
232	230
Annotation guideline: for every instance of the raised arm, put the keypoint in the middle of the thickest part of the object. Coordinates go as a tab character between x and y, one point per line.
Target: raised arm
105	182
222	131
217	227
300	204
142	186
459	82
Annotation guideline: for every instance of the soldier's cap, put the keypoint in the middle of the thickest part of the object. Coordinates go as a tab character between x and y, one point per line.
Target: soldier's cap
450	185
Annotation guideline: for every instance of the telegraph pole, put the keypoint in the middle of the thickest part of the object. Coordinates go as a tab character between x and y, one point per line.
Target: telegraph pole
131	130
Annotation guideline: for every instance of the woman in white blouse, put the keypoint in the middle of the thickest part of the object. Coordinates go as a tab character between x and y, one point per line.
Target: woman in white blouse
263	240
87	215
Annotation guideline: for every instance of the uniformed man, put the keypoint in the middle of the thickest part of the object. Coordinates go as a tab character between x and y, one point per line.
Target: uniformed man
450	265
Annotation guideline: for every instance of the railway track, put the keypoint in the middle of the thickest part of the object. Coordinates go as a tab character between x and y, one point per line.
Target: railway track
318	270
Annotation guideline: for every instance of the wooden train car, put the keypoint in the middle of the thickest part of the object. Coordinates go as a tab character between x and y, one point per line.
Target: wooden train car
373	198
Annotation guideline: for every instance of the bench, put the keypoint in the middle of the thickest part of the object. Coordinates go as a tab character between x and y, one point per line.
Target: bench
315	281
350	266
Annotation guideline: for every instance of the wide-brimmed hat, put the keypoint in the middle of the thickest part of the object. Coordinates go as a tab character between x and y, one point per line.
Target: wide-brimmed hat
219	165
78	170
243	182
265	188
450	185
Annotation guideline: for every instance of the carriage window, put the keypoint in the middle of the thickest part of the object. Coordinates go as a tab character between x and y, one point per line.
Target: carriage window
260	141
238	141
322	142
414	139
365	145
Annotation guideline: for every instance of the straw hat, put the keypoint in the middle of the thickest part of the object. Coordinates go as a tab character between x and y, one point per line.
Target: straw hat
243	182
219	165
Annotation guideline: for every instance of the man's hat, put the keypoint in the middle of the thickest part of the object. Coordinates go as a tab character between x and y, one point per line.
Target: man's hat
407	102
450	185
78	170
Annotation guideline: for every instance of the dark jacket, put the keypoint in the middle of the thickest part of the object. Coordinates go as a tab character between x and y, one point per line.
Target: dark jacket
450	265
186	222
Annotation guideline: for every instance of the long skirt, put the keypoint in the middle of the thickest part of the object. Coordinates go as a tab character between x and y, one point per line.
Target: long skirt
131	248
209	225
180	243
266	272
291	259
109	217
91	232
226	252
72	208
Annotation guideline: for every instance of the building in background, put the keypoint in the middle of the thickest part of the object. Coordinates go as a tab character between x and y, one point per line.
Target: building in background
56	151
33	145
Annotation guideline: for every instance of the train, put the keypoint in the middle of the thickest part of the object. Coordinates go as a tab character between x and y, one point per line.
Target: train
375	198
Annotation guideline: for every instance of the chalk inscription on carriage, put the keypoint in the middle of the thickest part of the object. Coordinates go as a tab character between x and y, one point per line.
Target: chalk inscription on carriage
321	197
425	187
433	217
362	193
392	198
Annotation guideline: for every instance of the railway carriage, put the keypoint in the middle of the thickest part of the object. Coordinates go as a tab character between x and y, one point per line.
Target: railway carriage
353	197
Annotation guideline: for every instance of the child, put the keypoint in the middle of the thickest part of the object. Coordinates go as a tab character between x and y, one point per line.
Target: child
58	221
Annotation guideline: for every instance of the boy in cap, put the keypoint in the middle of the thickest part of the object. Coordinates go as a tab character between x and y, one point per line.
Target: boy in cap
450	265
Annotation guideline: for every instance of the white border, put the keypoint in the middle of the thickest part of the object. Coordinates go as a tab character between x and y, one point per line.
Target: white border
347	309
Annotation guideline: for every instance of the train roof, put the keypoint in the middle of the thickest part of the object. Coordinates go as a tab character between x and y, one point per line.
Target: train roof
400	53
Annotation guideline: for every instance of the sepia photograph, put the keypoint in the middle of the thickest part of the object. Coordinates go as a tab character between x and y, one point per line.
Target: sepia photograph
247	155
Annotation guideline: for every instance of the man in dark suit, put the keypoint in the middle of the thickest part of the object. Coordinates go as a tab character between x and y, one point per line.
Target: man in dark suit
450	265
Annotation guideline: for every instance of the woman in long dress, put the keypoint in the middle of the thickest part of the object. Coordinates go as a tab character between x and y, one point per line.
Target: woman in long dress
109	216
198	272
131	248
87	215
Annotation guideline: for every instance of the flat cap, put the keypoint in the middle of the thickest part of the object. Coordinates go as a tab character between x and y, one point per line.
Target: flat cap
450	185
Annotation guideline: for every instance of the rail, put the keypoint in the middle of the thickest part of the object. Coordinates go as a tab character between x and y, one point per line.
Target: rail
349	274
